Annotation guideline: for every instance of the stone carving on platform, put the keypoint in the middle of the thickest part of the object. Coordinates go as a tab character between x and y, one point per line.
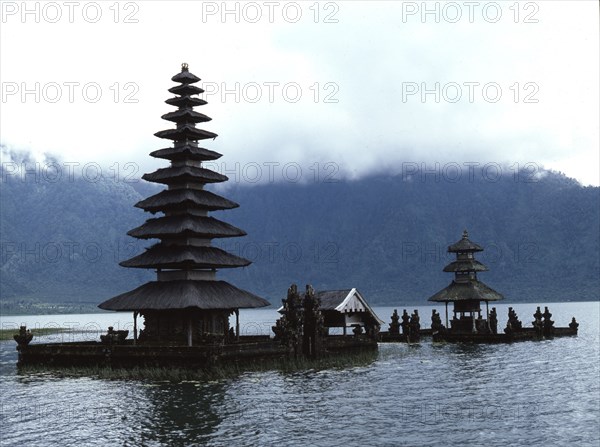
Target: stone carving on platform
436	322
405	323
493	321
113	337
24	337
288	328
313	328
395	324
513	324
548	323
573	324
414	328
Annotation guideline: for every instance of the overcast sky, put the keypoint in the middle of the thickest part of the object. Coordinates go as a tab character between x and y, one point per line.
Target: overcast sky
364	86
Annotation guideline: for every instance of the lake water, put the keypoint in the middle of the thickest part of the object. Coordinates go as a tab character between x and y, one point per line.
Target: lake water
529	393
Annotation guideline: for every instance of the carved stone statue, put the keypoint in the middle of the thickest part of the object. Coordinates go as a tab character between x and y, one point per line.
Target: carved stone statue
23	337
493	321
414	332
288	328
436	322
513	324
113	337
538	314
395	325
573	324
538	326
313	327
548	323
405	323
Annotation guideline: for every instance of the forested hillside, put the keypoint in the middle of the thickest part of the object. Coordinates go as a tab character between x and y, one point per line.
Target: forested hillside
387	235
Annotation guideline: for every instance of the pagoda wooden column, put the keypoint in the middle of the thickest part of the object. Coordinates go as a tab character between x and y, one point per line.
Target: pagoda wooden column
447	315
237	324
135	334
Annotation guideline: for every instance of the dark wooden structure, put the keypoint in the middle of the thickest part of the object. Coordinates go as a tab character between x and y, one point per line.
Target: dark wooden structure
187	304
346	309
186	310
466	292
305	322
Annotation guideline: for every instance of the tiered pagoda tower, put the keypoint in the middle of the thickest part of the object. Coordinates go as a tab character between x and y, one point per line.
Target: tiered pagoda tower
186	305
466	291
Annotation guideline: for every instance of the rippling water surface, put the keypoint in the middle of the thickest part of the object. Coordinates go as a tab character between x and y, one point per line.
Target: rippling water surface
529	393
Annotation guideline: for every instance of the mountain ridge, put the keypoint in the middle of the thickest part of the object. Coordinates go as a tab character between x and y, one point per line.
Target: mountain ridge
385	234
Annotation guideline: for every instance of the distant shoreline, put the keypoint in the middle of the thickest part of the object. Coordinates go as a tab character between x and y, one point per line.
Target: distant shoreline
94	310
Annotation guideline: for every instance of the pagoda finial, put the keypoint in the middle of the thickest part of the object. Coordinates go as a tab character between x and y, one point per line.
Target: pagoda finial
184	67
465	234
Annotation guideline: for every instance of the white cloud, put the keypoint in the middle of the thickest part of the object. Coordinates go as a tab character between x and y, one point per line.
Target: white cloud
368	57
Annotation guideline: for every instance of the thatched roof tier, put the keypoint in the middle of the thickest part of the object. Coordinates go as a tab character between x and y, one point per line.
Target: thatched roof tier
186	116
177	198
180	174
185	257
186	89
185	101
185	132
185	226
464	291
466	265
183	294
186	152
464	245
185	77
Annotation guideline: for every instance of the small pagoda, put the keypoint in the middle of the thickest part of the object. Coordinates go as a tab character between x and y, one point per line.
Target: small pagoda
467	292
186	305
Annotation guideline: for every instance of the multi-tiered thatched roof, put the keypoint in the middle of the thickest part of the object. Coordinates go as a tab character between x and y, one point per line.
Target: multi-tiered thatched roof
185	261
466	286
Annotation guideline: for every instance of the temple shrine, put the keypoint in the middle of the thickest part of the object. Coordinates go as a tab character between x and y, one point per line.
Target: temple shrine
186	304
465	291
186	311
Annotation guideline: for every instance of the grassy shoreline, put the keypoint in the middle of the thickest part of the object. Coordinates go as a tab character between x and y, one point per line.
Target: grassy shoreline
7	334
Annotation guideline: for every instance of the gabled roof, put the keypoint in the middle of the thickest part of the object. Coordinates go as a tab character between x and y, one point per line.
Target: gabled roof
344	301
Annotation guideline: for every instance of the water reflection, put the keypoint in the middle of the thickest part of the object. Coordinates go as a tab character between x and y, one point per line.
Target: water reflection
181	414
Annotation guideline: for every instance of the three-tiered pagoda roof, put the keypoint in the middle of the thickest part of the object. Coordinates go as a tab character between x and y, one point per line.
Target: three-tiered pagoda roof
465	286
